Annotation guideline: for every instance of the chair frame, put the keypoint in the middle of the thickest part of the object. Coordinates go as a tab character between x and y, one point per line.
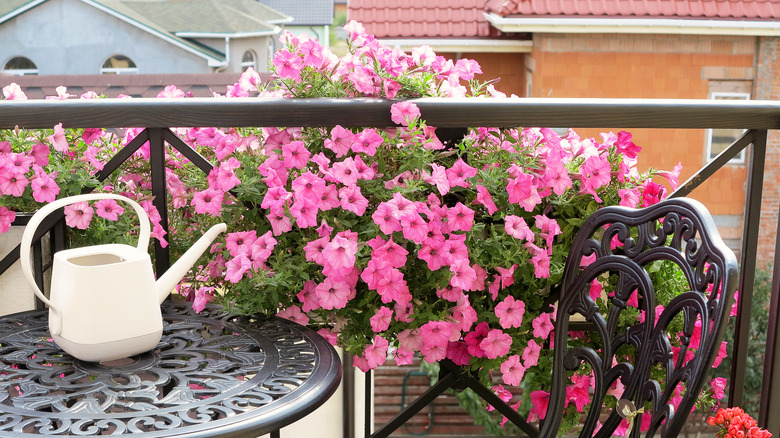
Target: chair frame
678	230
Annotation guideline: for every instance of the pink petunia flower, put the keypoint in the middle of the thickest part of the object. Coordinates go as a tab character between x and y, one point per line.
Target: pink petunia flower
294	314
376	353
353	200
237	267
108	209
510	312
208	201
595	173
44	188
12	183
438	177
308	186
459	173
512	371
531	354
718	387
460	217
78	215
340	253
340	140
436	333
280	222
458	353
579	392
542	325
240	242
539	402
6	218
404	113
496	344
463	275
516	227
673	177
381	319
332	293
305	213
295	155
287	65
541	262
308	297
484	198
14	92
345	172
58	139
366	142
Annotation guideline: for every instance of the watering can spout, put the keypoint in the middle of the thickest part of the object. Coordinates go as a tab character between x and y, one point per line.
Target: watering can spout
168	281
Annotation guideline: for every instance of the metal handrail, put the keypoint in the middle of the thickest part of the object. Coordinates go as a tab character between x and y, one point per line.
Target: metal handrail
240	112
758	116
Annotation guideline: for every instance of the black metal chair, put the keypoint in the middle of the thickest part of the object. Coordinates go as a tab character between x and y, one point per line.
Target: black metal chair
682	232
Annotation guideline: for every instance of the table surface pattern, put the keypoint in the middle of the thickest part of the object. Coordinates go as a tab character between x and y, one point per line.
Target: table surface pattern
212	374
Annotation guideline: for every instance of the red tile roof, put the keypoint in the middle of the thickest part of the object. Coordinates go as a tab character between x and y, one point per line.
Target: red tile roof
707	9
421	18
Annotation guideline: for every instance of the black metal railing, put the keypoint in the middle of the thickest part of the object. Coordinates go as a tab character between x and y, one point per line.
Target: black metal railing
158	115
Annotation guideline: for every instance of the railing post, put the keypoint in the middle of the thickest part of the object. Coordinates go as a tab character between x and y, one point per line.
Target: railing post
748	266
157	163
770	388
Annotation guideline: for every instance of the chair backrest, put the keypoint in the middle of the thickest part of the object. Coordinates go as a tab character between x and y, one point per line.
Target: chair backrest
627	244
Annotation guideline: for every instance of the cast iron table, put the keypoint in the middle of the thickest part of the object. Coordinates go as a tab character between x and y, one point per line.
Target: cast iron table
212	374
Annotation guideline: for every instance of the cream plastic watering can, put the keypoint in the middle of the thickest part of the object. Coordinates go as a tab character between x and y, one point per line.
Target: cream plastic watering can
105	302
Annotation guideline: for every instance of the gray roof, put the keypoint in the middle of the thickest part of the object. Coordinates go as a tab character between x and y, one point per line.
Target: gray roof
204	16
304	12
9	6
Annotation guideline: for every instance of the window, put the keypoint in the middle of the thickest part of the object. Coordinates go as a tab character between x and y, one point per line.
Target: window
20	66
719	139
248	60
118	64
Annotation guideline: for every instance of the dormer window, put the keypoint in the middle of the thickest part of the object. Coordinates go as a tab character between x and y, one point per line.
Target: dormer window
248	60
118	64
20	66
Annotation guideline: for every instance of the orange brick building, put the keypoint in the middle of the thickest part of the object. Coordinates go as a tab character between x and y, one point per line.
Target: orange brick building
688	49
674	49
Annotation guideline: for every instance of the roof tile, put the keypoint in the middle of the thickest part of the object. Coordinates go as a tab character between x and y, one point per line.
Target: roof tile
418	19
710	9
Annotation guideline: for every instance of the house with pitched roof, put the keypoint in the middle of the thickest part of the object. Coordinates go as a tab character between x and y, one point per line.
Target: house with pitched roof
455	29
79	37
691	49
310	17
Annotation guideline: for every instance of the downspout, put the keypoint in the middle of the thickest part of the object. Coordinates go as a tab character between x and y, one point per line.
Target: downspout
227	57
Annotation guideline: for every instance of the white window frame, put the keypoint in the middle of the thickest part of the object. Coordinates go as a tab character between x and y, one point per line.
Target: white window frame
118	70
20	71
715	95
246	64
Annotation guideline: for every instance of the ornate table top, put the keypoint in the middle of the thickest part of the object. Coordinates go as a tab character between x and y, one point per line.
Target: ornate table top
210	375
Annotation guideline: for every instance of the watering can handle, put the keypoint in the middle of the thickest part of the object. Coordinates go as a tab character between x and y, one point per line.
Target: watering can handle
40	215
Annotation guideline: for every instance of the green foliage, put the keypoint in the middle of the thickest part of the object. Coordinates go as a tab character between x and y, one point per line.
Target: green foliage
759	321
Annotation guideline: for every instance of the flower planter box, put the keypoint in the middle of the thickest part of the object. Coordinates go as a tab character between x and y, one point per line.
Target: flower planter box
16	295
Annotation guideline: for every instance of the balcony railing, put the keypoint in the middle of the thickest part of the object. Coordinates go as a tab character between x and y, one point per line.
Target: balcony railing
757	117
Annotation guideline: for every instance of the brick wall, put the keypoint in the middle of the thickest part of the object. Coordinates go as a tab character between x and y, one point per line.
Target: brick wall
506	66
654	66
767	86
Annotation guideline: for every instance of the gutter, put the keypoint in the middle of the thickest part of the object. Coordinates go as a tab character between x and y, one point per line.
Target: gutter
669	26
464	45
272	32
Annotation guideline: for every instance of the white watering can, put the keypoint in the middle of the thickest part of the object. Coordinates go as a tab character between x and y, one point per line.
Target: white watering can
105	302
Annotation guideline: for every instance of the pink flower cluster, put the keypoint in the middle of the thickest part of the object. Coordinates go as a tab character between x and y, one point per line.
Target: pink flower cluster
397	243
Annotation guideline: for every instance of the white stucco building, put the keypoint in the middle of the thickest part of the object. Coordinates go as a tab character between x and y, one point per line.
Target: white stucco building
80	37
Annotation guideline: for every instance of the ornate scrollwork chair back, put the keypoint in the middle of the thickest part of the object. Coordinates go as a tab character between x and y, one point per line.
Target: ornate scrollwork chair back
622	245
